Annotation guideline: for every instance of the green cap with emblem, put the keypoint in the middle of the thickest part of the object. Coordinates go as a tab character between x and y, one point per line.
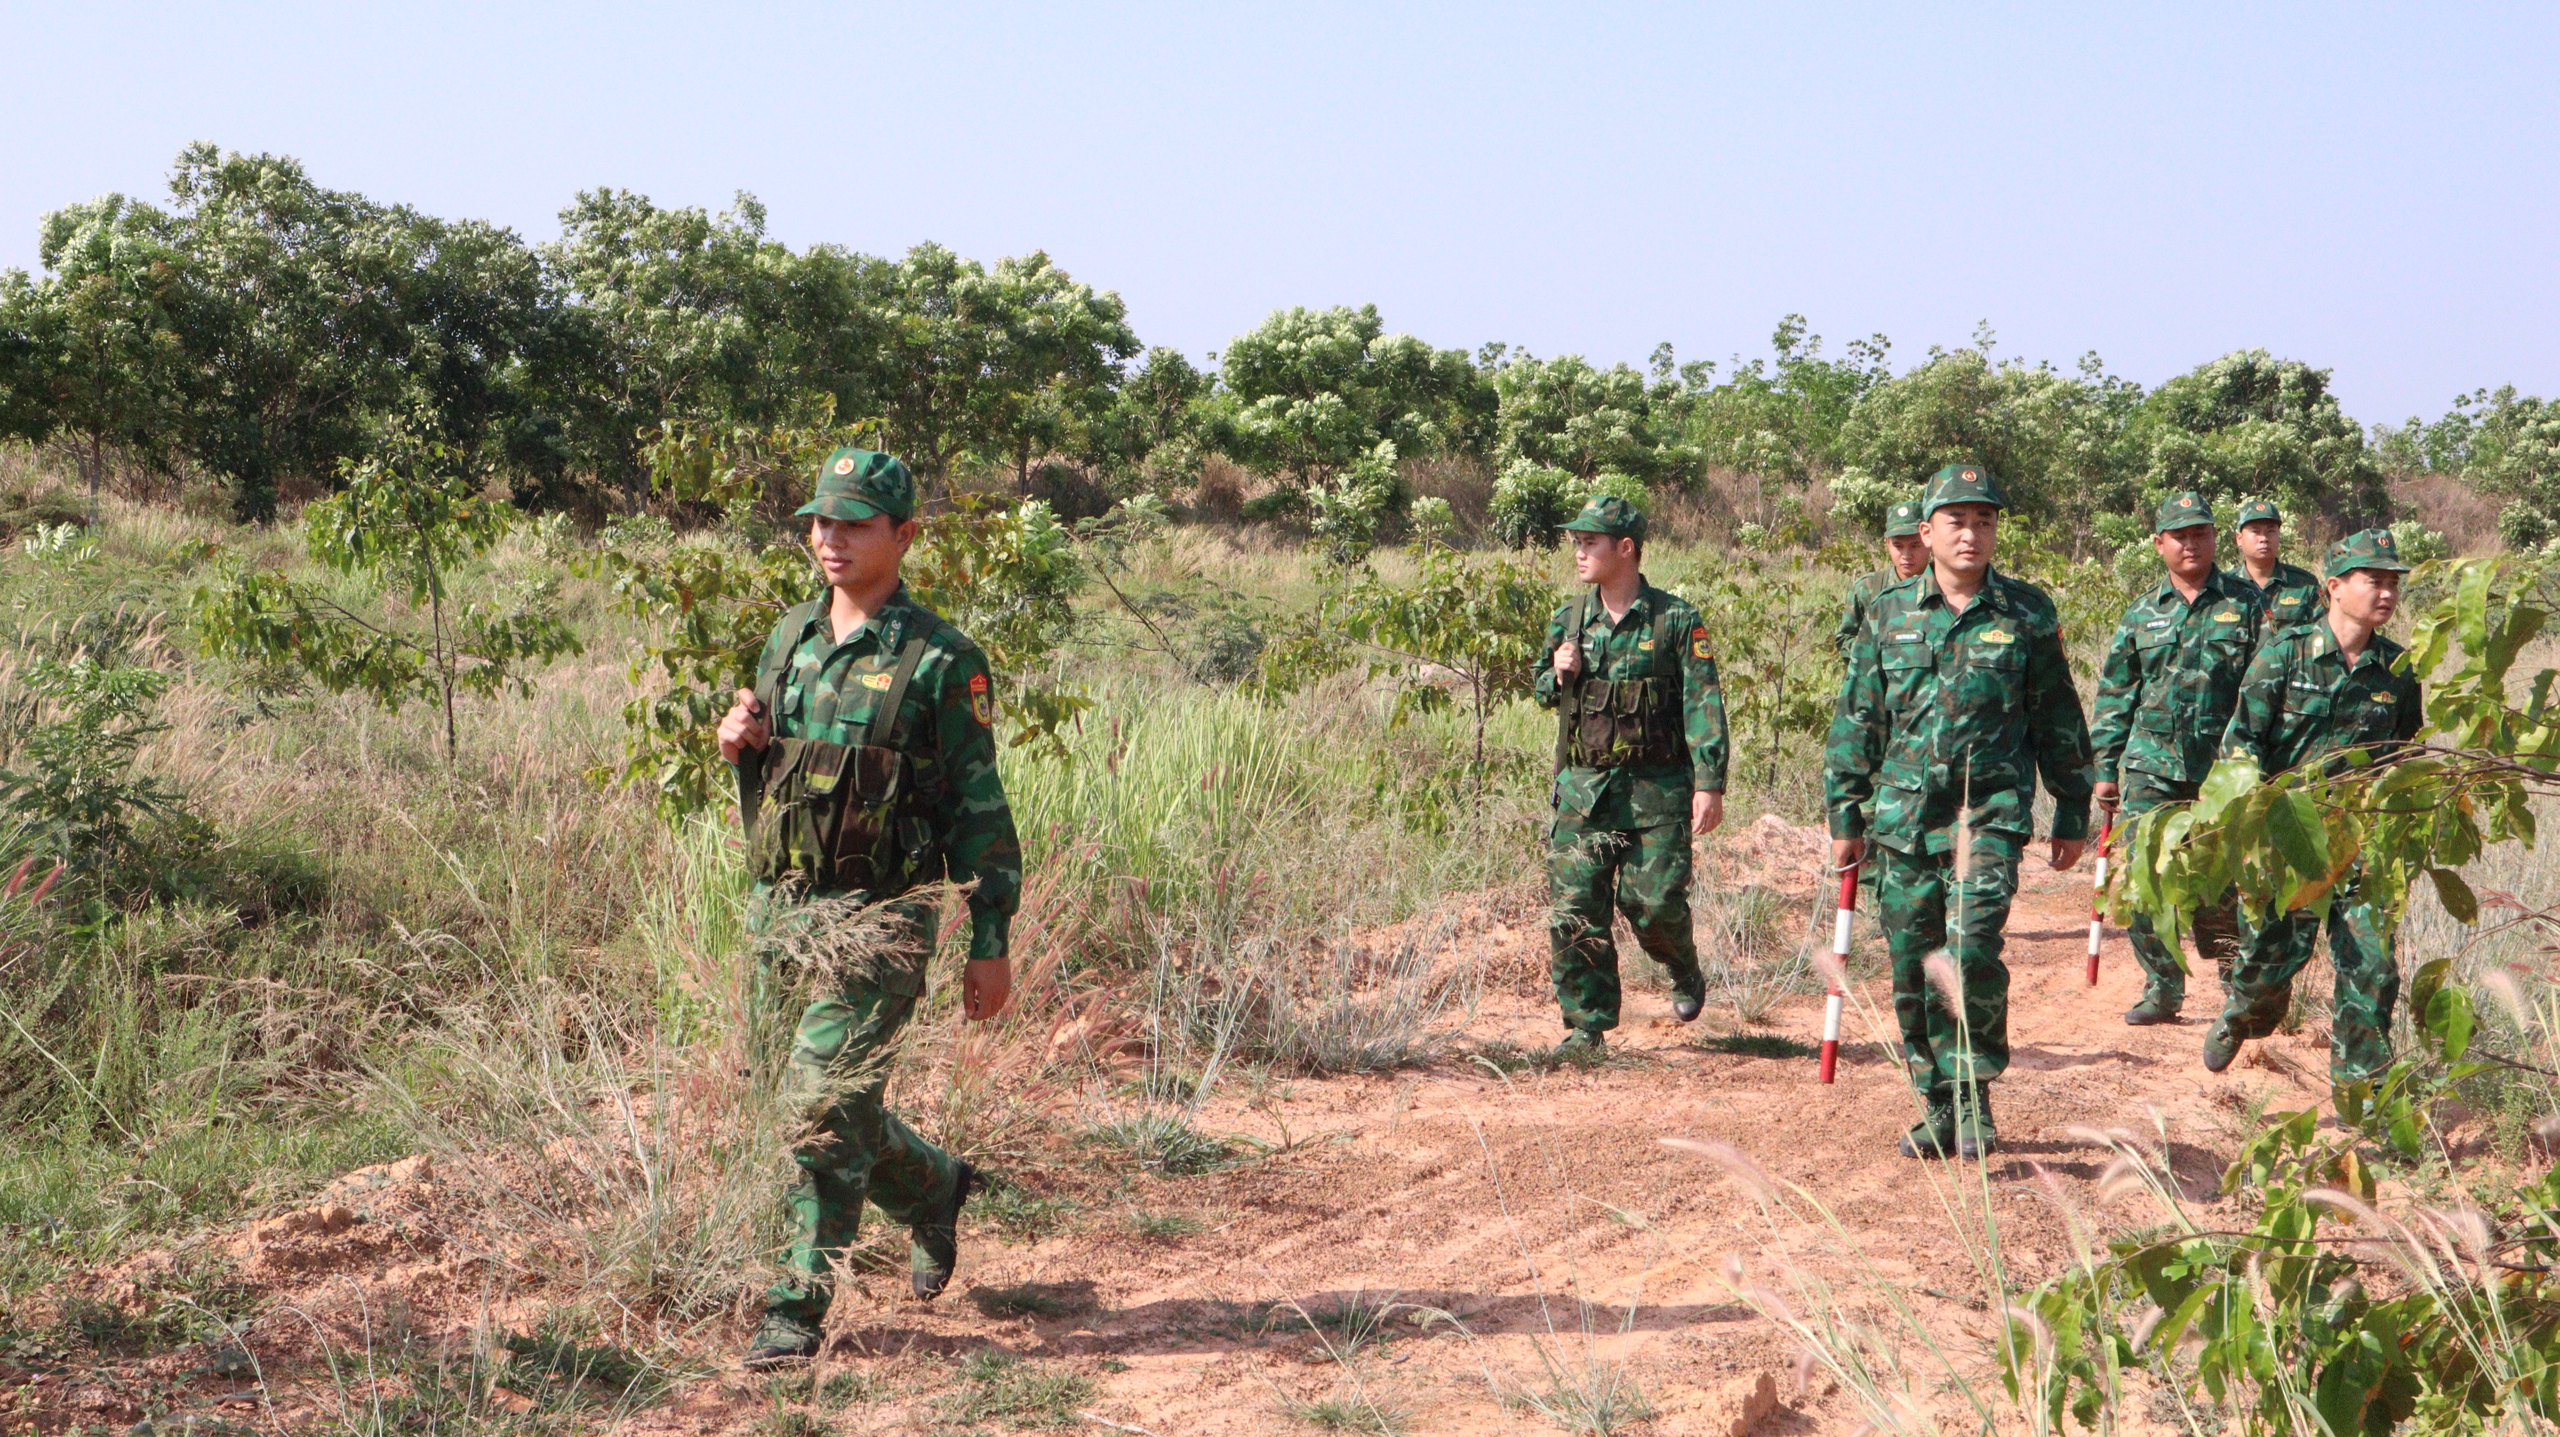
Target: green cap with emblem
2364	549
2253	510
858	483
1608	514
1960	484
2180	511
1902	521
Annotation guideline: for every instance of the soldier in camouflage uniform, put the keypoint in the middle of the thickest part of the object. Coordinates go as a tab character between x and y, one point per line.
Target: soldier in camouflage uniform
867	768
2292	596
2165	694
1958	696
2316	690
1640	766
1906	554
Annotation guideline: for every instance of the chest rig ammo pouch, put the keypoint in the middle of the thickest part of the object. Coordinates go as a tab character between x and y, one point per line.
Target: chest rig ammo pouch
842	815
1620	723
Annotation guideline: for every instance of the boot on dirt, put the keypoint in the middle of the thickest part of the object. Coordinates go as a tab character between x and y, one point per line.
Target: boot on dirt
1935	1135
2221	1044
1976	1138
933	1247
1583	1043
780	1343
2155	1007
1687	999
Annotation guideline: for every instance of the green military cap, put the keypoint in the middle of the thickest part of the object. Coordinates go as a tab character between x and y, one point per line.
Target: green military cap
2364	549
1608	514
2182	511
1960	484
1902	520
2253	510
858	483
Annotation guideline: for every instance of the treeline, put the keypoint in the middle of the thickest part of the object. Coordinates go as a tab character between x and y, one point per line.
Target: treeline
264	331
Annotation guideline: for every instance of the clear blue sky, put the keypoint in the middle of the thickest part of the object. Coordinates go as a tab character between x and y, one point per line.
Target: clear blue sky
2369	188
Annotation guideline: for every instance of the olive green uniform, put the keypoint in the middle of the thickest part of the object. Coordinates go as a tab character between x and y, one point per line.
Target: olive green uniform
1944	716
1641	729
2302	703
2165	694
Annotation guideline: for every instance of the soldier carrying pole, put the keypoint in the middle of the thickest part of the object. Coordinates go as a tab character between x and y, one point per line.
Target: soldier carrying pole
1958	696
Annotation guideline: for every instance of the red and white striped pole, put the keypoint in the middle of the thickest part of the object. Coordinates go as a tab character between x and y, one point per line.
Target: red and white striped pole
1832	1001
2098	895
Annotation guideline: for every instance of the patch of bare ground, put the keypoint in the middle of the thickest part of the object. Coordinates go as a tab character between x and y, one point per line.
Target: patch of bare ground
1481	1244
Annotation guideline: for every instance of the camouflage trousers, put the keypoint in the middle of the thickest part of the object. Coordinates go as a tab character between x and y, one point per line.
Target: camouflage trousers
1644	872
1923	908
2216	925
851	1148
2368	981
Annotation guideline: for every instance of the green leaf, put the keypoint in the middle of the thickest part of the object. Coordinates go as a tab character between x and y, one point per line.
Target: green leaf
2456	895
2230	778
2449	1020
2293	822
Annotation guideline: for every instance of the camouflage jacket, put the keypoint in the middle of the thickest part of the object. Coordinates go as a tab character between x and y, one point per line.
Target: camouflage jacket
2302	701
2171	678
1659	636
945	726
1938	704
2291	596
1862	597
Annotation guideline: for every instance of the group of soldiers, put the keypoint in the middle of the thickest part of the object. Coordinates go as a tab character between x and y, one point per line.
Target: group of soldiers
1958	700
866	762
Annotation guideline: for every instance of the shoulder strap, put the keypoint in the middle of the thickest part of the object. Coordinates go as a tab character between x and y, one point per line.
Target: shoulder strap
795	621
1569	690
884	719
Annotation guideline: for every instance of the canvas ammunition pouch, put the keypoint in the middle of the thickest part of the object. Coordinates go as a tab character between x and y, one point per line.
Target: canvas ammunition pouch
1619	723
848	817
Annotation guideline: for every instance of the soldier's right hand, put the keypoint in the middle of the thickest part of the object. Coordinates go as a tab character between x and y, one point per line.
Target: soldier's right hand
743	727
2106	795
1568	660
1846	853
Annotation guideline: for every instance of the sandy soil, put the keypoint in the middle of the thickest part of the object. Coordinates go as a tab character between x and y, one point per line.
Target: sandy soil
1523	1223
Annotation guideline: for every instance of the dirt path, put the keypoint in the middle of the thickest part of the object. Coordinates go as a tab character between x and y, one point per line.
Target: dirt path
1520	1236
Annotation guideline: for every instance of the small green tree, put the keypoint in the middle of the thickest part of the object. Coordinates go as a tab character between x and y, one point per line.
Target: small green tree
407	517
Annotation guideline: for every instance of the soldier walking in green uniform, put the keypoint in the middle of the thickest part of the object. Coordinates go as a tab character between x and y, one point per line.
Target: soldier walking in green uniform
2165	694
2315	691
2293	595
867	768
1640	766
1958	696
1906	554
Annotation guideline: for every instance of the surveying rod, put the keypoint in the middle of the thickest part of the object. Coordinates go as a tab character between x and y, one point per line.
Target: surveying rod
2098	894
1832	1000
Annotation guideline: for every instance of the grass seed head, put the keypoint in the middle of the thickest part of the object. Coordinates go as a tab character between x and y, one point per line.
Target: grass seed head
1946	981
1737	1165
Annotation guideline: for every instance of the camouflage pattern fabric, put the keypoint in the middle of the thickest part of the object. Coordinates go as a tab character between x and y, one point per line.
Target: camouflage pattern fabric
2304	703
1939	710
2216	925
855	1149
1660	635
1621	835
946	727
1648	871
1862	597
2171	679
2366	993
2290	596
1939	704
1925	907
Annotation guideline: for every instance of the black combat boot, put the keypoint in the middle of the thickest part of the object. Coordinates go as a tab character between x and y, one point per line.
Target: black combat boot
780	1343
933	1248
1935	1134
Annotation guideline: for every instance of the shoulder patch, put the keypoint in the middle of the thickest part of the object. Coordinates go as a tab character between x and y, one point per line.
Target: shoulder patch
1698	645
982	702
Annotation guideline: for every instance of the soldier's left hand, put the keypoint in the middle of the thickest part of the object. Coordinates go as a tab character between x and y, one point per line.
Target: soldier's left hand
1706	810
2066	852
984	985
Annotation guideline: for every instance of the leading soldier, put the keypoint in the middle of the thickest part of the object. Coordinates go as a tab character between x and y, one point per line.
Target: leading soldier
867	769
2315	691
2293	595
1640	766
2165	694
1905	553
1958	695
